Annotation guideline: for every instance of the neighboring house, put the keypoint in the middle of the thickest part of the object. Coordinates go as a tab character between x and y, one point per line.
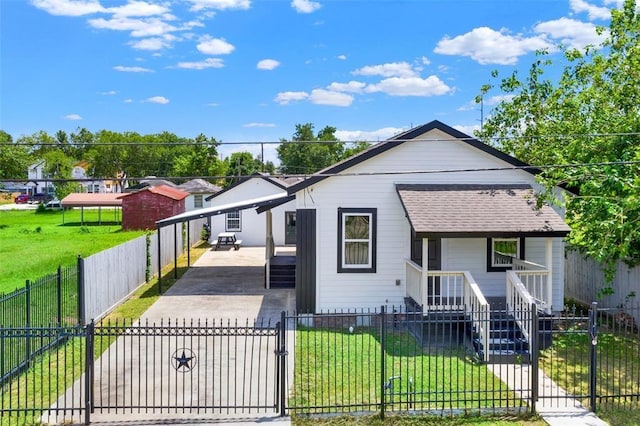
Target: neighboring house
141	210
150	181
431	192
36	183
248	225
88	185
199	190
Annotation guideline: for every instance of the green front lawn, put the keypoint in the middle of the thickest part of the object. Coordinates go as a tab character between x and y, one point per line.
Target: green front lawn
33	244
340	371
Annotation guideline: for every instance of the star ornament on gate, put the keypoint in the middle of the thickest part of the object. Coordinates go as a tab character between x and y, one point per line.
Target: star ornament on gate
183	360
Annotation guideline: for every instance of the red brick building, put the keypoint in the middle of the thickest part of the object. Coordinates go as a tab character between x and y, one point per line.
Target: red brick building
141	209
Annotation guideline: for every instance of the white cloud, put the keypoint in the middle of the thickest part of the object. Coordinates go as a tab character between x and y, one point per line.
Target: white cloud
131	69
72	117
342	57
69	7
594	12
128	101
108	93
350	87
153	43
219	4
329	97
268	64
139	27
572	33
393	69
212	104
370	136
490	101
157	100
139	8
410	86
284	98
467	130
259	125
425	60
487	46
207	63
305	6
214	46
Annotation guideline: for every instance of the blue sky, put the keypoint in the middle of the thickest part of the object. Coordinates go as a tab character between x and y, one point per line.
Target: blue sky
242	70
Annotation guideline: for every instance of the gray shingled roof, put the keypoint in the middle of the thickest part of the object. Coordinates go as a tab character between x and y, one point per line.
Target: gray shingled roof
199	186
478	210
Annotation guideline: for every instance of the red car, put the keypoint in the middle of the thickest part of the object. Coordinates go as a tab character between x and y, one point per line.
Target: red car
22	199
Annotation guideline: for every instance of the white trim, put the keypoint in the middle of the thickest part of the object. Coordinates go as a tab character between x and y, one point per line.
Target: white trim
369	241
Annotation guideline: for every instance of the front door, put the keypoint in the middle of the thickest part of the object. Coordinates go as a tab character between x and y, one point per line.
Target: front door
289	227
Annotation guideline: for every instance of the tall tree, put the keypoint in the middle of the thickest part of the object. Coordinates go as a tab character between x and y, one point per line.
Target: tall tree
590	119
241	164
199	159
14	158
307	153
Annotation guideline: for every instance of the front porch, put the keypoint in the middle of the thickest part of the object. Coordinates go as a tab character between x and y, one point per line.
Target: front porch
500	327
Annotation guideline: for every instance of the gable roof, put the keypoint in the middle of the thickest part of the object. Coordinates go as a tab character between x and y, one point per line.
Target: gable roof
398	140
164	190
498	210
280	183
199	186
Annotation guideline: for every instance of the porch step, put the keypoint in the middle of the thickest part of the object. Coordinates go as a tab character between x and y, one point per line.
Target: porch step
506	341
282	272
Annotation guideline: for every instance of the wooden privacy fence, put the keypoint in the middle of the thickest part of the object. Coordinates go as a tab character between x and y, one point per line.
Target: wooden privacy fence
584	280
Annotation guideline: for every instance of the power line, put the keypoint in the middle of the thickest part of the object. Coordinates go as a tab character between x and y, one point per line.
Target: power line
397	172
218	144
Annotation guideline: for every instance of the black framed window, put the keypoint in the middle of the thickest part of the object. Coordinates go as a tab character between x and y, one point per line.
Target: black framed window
502	251
357	240
198	201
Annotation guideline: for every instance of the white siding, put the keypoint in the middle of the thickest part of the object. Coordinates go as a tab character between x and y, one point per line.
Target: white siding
367	290
189	202
253	225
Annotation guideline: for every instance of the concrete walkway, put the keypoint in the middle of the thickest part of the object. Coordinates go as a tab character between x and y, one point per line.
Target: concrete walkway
221	287
556	408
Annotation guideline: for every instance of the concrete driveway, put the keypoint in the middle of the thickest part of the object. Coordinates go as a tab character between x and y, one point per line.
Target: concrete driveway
224	284
224	287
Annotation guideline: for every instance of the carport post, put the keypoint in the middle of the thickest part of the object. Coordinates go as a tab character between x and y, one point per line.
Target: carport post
188	244
175	250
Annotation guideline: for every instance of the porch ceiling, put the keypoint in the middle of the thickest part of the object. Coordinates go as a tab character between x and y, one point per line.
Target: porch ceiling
457	211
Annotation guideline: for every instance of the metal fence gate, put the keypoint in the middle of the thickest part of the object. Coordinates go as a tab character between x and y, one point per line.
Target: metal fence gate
195	366
186	367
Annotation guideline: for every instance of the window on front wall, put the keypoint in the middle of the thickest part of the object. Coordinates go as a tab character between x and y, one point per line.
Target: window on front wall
197	201
356	240
502	251
233	221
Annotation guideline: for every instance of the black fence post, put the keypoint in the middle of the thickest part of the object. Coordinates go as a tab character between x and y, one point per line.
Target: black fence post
383	385
82	320
88	372
59	295
283	362
593	335
28	319
534	351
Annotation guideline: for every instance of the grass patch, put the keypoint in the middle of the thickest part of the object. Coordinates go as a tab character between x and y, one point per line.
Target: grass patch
567	362
338	371
39	242
52	373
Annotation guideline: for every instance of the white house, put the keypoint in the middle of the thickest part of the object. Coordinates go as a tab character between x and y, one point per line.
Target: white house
366	224
248	225
36	183
199	190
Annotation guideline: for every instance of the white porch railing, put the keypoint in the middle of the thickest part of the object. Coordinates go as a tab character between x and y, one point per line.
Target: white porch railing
535	279
448	291
520	303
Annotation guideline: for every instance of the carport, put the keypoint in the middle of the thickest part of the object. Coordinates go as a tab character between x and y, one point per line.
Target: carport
262	204
83	200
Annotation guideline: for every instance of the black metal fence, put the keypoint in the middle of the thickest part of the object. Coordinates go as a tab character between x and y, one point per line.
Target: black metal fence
52	299
348	362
